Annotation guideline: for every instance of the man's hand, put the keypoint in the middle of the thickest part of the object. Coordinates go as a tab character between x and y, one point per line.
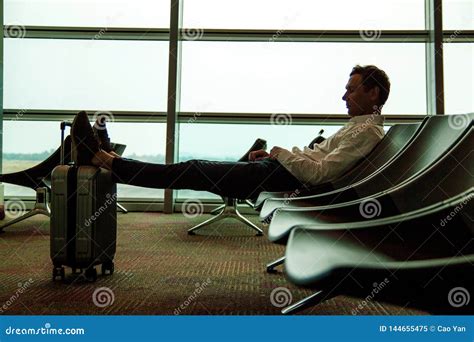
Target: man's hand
274	151
258	155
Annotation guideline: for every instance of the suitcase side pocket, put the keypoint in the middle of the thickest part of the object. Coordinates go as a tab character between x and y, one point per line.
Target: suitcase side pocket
62	222
86	209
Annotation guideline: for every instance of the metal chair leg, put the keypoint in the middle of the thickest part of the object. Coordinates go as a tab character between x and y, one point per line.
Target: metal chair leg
312	300
271	266
229	211
216	218
248	223
122	208
250	203
41	207
23	217
217	210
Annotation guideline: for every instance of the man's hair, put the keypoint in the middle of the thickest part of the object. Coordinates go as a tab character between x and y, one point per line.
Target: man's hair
374	77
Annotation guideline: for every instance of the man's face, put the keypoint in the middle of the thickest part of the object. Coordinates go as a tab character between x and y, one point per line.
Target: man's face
358	100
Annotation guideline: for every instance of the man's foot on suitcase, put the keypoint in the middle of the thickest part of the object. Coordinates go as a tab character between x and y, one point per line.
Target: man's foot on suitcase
84	142
100	131
103	159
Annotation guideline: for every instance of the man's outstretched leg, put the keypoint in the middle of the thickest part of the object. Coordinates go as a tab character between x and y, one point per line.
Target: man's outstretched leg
237	180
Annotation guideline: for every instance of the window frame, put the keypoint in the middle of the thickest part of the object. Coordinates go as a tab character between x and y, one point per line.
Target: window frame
433	36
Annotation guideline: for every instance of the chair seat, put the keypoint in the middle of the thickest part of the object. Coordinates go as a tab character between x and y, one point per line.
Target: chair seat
331	197
312	255
284	221
416	257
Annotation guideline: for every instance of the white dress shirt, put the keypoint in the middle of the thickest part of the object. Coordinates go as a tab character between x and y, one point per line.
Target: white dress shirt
337	154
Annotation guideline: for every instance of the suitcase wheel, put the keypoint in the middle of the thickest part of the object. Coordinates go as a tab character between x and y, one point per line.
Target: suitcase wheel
91	273
108	268
59	272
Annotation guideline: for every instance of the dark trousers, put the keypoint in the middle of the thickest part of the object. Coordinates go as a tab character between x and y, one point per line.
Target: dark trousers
242	180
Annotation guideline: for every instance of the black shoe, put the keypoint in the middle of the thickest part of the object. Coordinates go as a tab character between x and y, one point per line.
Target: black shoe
84	143
100	132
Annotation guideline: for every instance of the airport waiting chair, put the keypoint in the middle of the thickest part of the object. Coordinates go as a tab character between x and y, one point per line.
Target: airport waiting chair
419	258
229	208
436	134
416	192
393	143
38	178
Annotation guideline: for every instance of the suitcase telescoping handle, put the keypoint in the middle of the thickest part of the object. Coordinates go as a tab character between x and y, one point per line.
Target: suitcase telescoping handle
64	124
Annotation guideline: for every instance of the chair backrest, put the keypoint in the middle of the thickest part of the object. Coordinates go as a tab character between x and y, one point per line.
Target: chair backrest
35	176
393	143
450	176
435	139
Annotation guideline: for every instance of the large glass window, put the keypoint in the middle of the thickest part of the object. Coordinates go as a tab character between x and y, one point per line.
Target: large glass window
295	77
228	142
459	78
458	15
228	77
92	13
85	74
145	142
304	14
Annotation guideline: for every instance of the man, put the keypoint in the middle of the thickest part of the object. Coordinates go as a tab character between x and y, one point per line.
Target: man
366	92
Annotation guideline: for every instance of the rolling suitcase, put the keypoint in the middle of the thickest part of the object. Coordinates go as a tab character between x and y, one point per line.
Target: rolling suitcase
83	224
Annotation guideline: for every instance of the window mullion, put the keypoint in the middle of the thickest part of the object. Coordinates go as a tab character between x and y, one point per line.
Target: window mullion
174	91
434	57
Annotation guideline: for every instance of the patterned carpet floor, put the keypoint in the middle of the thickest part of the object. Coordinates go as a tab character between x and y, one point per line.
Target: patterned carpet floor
161	270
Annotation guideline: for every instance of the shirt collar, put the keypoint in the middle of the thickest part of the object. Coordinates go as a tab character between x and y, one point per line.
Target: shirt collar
373	119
